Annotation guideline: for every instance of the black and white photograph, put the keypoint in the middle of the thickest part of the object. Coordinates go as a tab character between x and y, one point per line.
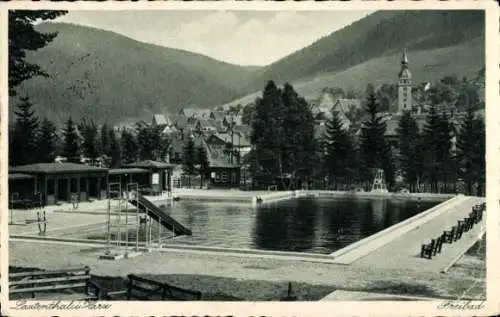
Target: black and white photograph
244	155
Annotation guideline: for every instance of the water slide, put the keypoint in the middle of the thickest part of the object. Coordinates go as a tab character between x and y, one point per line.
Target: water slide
158	214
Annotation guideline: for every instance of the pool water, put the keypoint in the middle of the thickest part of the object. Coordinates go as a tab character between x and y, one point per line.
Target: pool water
313	225
318	225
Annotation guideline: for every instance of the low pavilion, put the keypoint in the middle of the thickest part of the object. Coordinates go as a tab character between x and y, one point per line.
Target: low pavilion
58	181
160	175
126	176
21	185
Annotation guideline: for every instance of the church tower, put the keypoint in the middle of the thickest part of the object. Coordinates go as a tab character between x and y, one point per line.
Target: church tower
404	86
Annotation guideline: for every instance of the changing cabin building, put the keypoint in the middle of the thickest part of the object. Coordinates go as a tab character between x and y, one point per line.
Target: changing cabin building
58	181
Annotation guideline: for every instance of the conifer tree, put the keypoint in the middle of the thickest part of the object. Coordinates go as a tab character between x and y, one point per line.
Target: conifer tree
268	135
71	147
114	146
445	158
376	151
47	141
24	146
431	140
480	158
338	147
189	158
471	152
89	133
145	142
202	159
128	146
409	148
104	143
162	144
298	128
23	37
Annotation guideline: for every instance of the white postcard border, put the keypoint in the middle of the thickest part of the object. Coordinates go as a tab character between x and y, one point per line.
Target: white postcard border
395	308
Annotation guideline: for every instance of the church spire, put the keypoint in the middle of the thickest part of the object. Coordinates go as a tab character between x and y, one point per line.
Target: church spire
404	60
404	86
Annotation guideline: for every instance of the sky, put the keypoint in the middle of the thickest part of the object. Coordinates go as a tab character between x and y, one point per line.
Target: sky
237	37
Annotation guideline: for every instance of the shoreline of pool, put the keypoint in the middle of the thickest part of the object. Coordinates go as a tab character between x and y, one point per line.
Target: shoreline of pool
256	198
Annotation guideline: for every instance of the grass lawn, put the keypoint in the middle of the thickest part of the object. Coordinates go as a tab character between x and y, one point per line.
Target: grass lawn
229	289
466	277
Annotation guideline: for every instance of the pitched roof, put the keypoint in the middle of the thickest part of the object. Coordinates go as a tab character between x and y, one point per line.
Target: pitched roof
237	139
54	168
219	115
181	122
217	158
206	123
315	110
149	164
203	113
345	105
188	112
236	119
177	144
243	129
131	170
160	119
16	176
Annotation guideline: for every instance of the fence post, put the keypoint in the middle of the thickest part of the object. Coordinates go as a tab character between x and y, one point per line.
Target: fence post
164	292
129	288
33	286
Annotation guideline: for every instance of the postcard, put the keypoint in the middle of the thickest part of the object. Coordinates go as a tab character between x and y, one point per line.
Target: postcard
249	158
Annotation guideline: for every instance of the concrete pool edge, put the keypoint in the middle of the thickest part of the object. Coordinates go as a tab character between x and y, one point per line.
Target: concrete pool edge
328	256
253	197
402	227
280	255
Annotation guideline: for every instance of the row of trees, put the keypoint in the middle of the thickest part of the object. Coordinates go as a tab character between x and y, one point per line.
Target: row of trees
32	140
35	140
439	155
282	136
195	161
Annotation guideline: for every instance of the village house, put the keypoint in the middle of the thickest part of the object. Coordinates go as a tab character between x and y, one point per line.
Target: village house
192	114
208	126
223	172
218	115
160	121
177	144
223	141
326	101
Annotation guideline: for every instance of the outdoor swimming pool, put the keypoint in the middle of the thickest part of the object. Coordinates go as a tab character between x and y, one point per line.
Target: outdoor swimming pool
318	225
313	225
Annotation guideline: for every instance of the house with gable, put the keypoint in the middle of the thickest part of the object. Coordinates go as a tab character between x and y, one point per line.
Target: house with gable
165	123
223	141
326	101
218	115
208	126
159	120
223	172
188	113
347	109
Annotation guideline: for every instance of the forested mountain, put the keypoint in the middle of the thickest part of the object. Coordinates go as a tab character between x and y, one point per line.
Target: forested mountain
109	77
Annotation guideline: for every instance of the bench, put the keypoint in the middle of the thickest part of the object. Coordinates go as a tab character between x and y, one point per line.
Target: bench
77	280
431	249
140	288
464	225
